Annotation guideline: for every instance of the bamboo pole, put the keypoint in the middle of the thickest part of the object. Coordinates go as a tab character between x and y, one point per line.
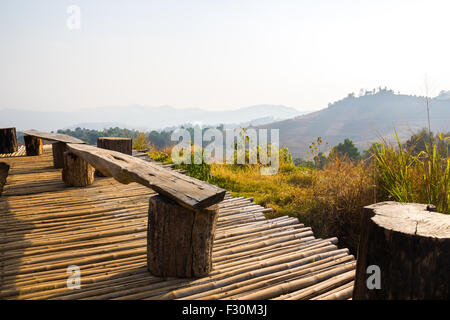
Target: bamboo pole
45	227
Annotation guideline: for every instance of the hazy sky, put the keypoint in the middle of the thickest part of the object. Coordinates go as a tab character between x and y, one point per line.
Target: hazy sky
218	54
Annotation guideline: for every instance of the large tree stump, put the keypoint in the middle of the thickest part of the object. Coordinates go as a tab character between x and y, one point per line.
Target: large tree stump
33	145
179	240
77	172
58	154
123	145
8	140
411	246
4	168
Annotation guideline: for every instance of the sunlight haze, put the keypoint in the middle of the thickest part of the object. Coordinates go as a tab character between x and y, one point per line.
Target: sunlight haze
218	54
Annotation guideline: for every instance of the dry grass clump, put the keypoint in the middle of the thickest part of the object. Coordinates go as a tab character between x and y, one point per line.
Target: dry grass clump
278	191
330	200
337	195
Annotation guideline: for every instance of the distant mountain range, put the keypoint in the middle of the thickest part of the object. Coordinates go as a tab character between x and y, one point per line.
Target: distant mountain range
364	120
142	117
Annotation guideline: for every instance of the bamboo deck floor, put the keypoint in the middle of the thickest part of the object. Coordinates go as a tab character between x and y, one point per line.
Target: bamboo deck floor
46	227
20	152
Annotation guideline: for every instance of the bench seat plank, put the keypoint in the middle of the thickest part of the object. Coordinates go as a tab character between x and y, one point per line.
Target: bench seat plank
52	136
187	191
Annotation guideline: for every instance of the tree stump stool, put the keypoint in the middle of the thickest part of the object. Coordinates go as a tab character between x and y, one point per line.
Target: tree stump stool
77	172
33	145
8	140
410	245
58	154
123	145
179	240
4	169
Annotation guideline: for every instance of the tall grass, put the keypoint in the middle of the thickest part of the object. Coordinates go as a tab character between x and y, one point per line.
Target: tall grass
435	175
330	199
422	178
395	170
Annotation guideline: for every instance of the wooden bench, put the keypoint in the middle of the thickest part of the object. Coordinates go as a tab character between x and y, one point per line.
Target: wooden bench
123	145
182	218
33	144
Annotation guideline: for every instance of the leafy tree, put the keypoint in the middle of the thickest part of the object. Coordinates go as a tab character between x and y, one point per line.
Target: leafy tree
159	139
346	149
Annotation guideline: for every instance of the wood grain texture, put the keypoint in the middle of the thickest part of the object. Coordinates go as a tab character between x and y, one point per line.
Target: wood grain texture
4	169
77	172
58	149
33	145
53	136
188	192
411	246
179	240
123	145
8	140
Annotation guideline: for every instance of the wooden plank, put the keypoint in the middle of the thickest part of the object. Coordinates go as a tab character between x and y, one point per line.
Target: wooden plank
186	191
53	136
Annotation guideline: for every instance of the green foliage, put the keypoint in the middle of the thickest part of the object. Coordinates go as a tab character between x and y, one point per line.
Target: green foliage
435	166
157	139
346	149
409	177
91	136
285	157
141	142
299	162
394	166
320	160
367	154
201	171
419	141
160	156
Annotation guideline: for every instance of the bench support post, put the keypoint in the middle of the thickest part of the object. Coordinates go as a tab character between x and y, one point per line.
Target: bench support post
8	140
58	154
77	172
122	145
179	240
4	169
33	145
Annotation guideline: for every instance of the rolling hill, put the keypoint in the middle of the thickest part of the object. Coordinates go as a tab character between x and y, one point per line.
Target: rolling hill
364	120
